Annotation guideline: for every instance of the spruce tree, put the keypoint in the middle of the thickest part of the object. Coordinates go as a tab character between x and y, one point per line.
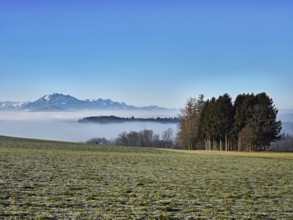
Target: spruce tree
225	109
263	122
255	125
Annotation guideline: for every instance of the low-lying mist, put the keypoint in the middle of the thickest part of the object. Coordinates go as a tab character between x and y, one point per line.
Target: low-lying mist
64	126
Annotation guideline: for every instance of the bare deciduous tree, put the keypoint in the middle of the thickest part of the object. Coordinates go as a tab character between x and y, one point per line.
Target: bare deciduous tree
189	122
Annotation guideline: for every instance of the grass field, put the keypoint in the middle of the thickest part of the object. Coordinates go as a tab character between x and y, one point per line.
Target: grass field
56	180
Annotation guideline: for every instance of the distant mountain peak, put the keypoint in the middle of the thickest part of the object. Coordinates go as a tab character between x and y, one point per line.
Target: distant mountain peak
8	105
61	102
56	95
47	97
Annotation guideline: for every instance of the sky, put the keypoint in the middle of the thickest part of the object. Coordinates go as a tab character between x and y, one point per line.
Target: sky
152	52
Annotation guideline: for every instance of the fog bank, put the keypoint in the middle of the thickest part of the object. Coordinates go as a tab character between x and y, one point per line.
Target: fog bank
63	126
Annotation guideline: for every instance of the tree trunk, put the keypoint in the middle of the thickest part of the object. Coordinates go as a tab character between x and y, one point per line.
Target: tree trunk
220	144
206	144
239	142
189	145
226	143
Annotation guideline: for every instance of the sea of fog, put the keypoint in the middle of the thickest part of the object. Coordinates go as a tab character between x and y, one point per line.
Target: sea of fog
64	126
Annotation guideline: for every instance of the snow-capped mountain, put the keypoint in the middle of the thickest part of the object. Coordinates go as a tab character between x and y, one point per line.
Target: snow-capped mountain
53	102
60	102
7	105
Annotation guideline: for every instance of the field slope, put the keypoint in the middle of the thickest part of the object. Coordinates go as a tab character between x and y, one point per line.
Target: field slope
58	180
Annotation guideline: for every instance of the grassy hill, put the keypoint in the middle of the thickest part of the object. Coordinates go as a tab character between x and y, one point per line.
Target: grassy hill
59	180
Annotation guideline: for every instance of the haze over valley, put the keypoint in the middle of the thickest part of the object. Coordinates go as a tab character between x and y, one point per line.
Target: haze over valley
55	117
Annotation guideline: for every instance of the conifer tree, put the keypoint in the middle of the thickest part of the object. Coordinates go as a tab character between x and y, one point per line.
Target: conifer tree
263	122
204	130
225	109
255	125
248	125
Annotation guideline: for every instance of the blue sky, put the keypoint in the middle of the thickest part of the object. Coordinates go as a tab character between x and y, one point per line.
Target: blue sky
146	52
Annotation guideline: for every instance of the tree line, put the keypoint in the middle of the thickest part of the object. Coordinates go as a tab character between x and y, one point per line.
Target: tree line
144	138
248	124
115	119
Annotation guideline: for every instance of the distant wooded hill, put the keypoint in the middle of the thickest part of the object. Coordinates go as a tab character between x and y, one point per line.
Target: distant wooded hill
115	119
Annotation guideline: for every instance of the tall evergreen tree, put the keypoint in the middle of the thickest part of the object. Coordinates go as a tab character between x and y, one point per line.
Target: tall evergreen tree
213	123
204	130
225	109
255	124
263	122
242	113
216	122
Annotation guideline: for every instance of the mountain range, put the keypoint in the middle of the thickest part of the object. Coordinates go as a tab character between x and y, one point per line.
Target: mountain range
60	102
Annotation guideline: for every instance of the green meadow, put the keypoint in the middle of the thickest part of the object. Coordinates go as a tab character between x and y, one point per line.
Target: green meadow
59	180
